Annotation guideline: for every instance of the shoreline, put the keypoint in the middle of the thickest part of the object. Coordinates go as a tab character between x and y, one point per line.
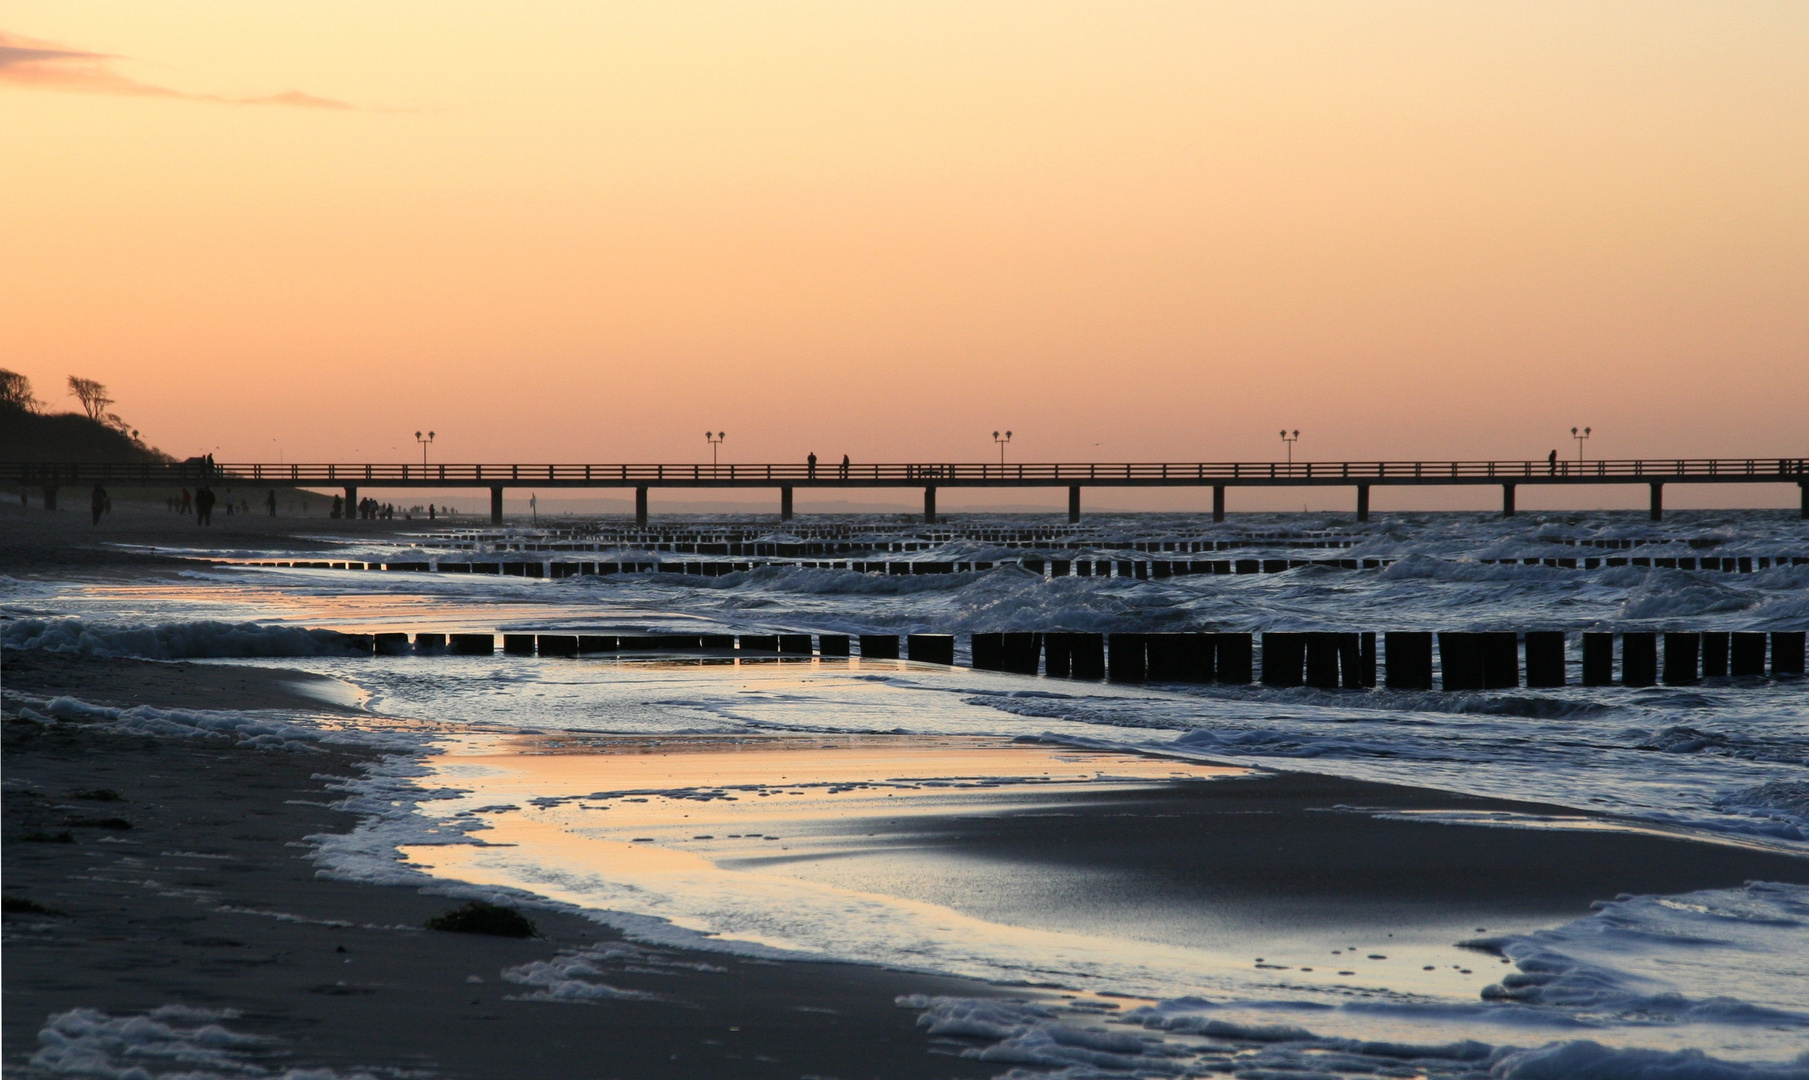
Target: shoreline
198	890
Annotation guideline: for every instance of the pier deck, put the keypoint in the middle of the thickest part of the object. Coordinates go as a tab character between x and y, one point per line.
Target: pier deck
788	476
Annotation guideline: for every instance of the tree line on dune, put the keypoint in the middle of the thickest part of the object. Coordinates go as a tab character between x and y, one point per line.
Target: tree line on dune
30	433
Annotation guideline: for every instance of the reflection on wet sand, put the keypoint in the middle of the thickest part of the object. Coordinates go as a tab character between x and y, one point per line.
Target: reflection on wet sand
841	844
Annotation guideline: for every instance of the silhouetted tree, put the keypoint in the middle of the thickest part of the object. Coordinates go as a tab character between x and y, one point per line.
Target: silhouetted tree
15	392
95	401
93	397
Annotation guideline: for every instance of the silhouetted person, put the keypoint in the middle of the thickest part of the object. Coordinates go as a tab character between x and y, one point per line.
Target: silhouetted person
1551	462
430	516
844	466
337	506
270	501
188	502
204	505
99	502
812	462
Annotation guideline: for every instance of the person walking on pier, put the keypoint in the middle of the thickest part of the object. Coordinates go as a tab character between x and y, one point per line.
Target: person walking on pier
811	461
99	502
844	466
1551	463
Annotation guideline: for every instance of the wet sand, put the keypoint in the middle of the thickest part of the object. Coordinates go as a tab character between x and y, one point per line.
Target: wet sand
1171	870
195	887
35	542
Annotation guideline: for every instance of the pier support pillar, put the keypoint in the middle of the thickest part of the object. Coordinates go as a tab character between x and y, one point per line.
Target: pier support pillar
784	504
1658	502
1218	502
1507	500
496	504
50	496
929	506
1074	504
1362	502
351	501
640	507
1804	488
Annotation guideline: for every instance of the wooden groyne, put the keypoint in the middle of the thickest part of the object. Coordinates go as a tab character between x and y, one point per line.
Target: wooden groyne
1358	660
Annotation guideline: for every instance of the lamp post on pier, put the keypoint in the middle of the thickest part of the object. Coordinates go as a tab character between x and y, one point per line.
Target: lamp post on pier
1579	437
424	441
1001	440
714	438
1290	439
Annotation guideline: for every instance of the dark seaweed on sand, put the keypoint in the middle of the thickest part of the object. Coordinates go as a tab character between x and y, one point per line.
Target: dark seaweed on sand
19	905
116	823
478	917
99	795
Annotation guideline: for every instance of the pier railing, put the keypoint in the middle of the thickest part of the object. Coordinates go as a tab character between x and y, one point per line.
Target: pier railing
1259	473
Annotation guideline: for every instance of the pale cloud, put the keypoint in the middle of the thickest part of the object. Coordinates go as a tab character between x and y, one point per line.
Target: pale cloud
46	65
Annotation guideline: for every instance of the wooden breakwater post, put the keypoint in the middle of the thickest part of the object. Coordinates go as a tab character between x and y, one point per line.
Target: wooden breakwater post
1598	659
430	643
1284	659
556	644
1545	658
1639	658
879	646
1021	653
1714	654
1322	649
1787	649
930	648
1086	656
1127	657
832	644
474	644
1409	664
1234	658
1747	654
1682	659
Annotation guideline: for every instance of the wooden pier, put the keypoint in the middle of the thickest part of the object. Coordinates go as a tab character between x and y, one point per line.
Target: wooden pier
787	477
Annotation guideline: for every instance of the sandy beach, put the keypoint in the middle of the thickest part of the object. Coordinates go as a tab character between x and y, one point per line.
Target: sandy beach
206	897
176	878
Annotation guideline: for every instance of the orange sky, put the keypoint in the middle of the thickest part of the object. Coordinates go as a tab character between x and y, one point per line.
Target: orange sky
1126	231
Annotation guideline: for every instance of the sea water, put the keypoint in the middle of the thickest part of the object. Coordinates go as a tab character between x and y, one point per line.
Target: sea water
1649	979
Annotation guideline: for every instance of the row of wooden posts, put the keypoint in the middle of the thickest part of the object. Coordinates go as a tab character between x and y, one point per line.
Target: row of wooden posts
1487	660
1055	568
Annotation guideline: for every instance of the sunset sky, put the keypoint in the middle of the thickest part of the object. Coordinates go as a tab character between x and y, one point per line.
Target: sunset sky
588	231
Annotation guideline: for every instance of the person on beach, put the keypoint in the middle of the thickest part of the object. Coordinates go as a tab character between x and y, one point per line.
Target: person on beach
188	502
204	505
270	501
337	504
99	502
812	462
